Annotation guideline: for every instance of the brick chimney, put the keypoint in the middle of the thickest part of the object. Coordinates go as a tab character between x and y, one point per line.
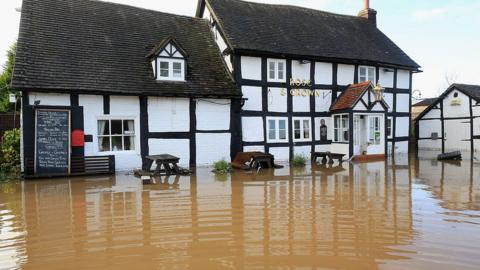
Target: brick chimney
368	13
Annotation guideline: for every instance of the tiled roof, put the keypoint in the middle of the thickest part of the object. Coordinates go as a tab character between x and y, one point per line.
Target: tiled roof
99	47
425	102
350	96
302	32
472	90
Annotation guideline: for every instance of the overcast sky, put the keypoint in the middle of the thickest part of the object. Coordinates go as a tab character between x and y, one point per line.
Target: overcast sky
441	35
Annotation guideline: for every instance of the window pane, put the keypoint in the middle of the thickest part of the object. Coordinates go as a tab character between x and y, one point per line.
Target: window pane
271	130
282	124
296	124
296	129
363	72
104	144
337	122
117	127
177	70
103	127
281	70
282	134
306	129
129	143
164	65
271	68
117	143
128	127
345	136
164	69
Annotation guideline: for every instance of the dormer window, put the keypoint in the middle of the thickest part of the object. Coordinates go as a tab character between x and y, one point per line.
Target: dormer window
168	61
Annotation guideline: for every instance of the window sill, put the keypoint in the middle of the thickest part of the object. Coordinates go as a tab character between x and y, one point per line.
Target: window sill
117	152
284	141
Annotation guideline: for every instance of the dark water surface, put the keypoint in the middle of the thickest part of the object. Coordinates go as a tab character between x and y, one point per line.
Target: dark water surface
417	214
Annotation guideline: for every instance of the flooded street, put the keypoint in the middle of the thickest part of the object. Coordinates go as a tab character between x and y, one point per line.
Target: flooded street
406	214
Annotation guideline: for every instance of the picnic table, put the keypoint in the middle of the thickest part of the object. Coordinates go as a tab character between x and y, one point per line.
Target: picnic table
253	160
164	163
329	155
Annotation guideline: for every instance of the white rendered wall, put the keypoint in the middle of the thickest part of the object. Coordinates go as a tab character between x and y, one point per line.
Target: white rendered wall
401	147
462	110
168	114
276	101
212	148
280	153
402	126
323	101
433	113
300	71
213	114
457	135
323	73
251	68
345	74
388	98
92	109
253	95
403	103
126	107
385	78
301	103
403	79
340	148
427	127
50	99
304	151
430	144
252	128
254	148
323	148
177	147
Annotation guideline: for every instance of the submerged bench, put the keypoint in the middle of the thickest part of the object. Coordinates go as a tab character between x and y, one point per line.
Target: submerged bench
253	160
327	155
165	163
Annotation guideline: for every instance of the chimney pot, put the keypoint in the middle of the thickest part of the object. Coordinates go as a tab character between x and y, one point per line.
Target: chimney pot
368	13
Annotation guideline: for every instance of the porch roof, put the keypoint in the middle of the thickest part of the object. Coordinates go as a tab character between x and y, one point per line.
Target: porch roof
349	98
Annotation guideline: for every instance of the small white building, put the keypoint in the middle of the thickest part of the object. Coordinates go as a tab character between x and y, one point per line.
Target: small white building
452	122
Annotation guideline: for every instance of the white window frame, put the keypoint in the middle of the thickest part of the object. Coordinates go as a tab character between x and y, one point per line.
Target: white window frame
302	129
379	130
277	130
170	62
276	64
119	118
390	135
341	129
368	70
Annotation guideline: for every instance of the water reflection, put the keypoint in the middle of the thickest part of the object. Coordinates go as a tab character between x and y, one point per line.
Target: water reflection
351	217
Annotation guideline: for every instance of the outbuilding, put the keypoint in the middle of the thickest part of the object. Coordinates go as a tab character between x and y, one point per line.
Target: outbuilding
452	122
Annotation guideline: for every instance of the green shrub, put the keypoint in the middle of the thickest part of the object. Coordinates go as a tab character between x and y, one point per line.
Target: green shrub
299	161
10	153
221	166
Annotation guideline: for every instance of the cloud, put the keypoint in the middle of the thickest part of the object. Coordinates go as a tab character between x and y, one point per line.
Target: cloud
429	14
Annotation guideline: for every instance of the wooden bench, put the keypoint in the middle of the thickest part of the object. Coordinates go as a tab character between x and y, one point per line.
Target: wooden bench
253	160
327	155
165	163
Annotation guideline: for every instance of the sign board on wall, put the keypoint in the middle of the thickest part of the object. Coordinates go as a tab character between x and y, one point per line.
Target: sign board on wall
52	141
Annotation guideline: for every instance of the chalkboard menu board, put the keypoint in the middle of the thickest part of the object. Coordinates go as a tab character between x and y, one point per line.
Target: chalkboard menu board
52	141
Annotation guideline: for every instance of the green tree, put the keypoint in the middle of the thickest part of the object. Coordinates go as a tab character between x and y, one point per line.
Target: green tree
6	79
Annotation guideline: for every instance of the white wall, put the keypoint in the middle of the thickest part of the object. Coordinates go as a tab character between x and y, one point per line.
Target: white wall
51	99
462	110
254	96
401	147
430	144
403	79
388	98
402	126
168	114
280	153
301	103
276	101
323	73
212	148
300	71
304	151
323	101
386	78
345	74
254	148
403	102
252	128
251	68
433	113
92	108
177	147
213	114
427	127
340	148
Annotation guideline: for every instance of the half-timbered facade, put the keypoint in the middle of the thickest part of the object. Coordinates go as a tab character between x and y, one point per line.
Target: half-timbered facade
452	122
293	63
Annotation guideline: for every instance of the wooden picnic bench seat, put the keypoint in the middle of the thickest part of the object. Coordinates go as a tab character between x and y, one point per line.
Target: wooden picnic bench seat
165	163
253	160
327	155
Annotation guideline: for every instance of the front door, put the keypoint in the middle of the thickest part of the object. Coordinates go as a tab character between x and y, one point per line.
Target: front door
457	135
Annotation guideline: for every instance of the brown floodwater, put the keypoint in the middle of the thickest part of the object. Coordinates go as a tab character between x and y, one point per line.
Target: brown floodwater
404	214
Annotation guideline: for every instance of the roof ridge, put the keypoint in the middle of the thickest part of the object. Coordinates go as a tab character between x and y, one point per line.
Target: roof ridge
297	7
145	9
